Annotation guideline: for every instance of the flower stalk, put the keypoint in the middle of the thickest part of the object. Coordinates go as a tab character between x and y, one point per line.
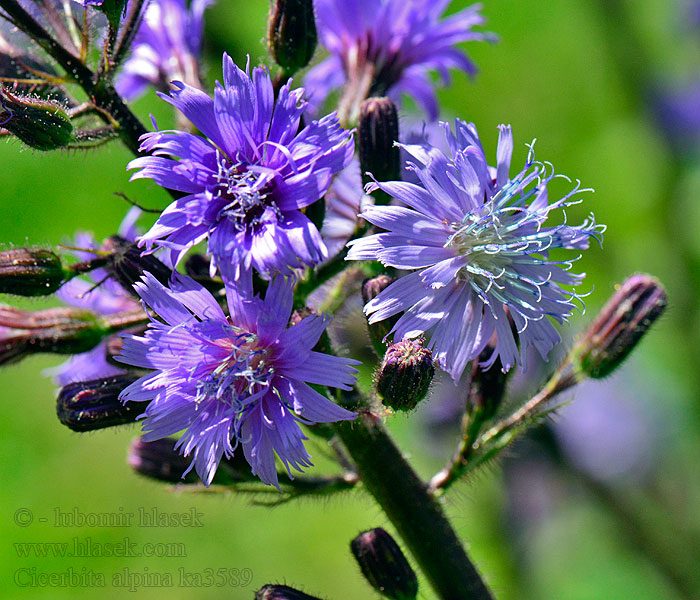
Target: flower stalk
417	516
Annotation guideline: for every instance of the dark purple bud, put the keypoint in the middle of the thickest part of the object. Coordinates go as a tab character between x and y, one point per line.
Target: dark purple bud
95	404
621	324
127	265
159	460
31	272
384	565
292	33
61	330
377	131
281	592
404	377
41	124
378	331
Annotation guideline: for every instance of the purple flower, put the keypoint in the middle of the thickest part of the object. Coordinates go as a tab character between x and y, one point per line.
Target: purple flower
391	46
477	244
245	182
101	294
167	46
229	380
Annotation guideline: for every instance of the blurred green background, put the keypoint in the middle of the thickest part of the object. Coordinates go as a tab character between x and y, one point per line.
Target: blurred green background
575	75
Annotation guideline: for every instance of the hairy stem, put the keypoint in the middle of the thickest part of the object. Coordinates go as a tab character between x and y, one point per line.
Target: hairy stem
417	516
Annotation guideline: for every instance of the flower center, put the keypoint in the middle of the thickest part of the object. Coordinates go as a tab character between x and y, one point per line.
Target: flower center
246	194
241	378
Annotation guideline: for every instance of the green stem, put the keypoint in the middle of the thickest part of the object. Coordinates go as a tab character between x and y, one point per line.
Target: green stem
417	516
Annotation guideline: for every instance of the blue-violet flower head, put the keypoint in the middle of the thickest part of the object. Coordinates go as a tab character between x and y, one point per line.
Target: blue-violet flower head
246	181
392	45
167	46
229	380
477	245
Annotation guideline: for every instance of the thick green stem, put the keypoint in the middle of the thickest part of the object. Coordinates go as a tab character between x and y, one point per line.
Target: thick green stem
417	516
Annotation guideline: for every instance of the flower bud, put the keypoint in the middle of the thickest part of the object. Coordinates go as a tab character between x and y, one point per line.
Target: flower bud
127	265
41	124
620	326
95	404
384	565
371	288
30	272
281	592
292	33
377	131
61	330
404	377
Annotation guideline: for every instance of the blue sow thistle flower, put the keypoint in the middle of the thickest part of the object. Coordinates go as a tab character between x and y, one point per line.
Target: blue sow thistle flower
167	46
392	45
246	181
477	243
229	380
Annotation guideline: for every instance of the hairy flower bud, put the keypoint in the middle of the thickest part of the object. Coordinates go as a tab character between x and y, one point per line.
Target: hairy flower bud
95	404
41	124
292	33
30	272
377	131
281	592
371	288
384	565
621	324
59	330
405	375
127	264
